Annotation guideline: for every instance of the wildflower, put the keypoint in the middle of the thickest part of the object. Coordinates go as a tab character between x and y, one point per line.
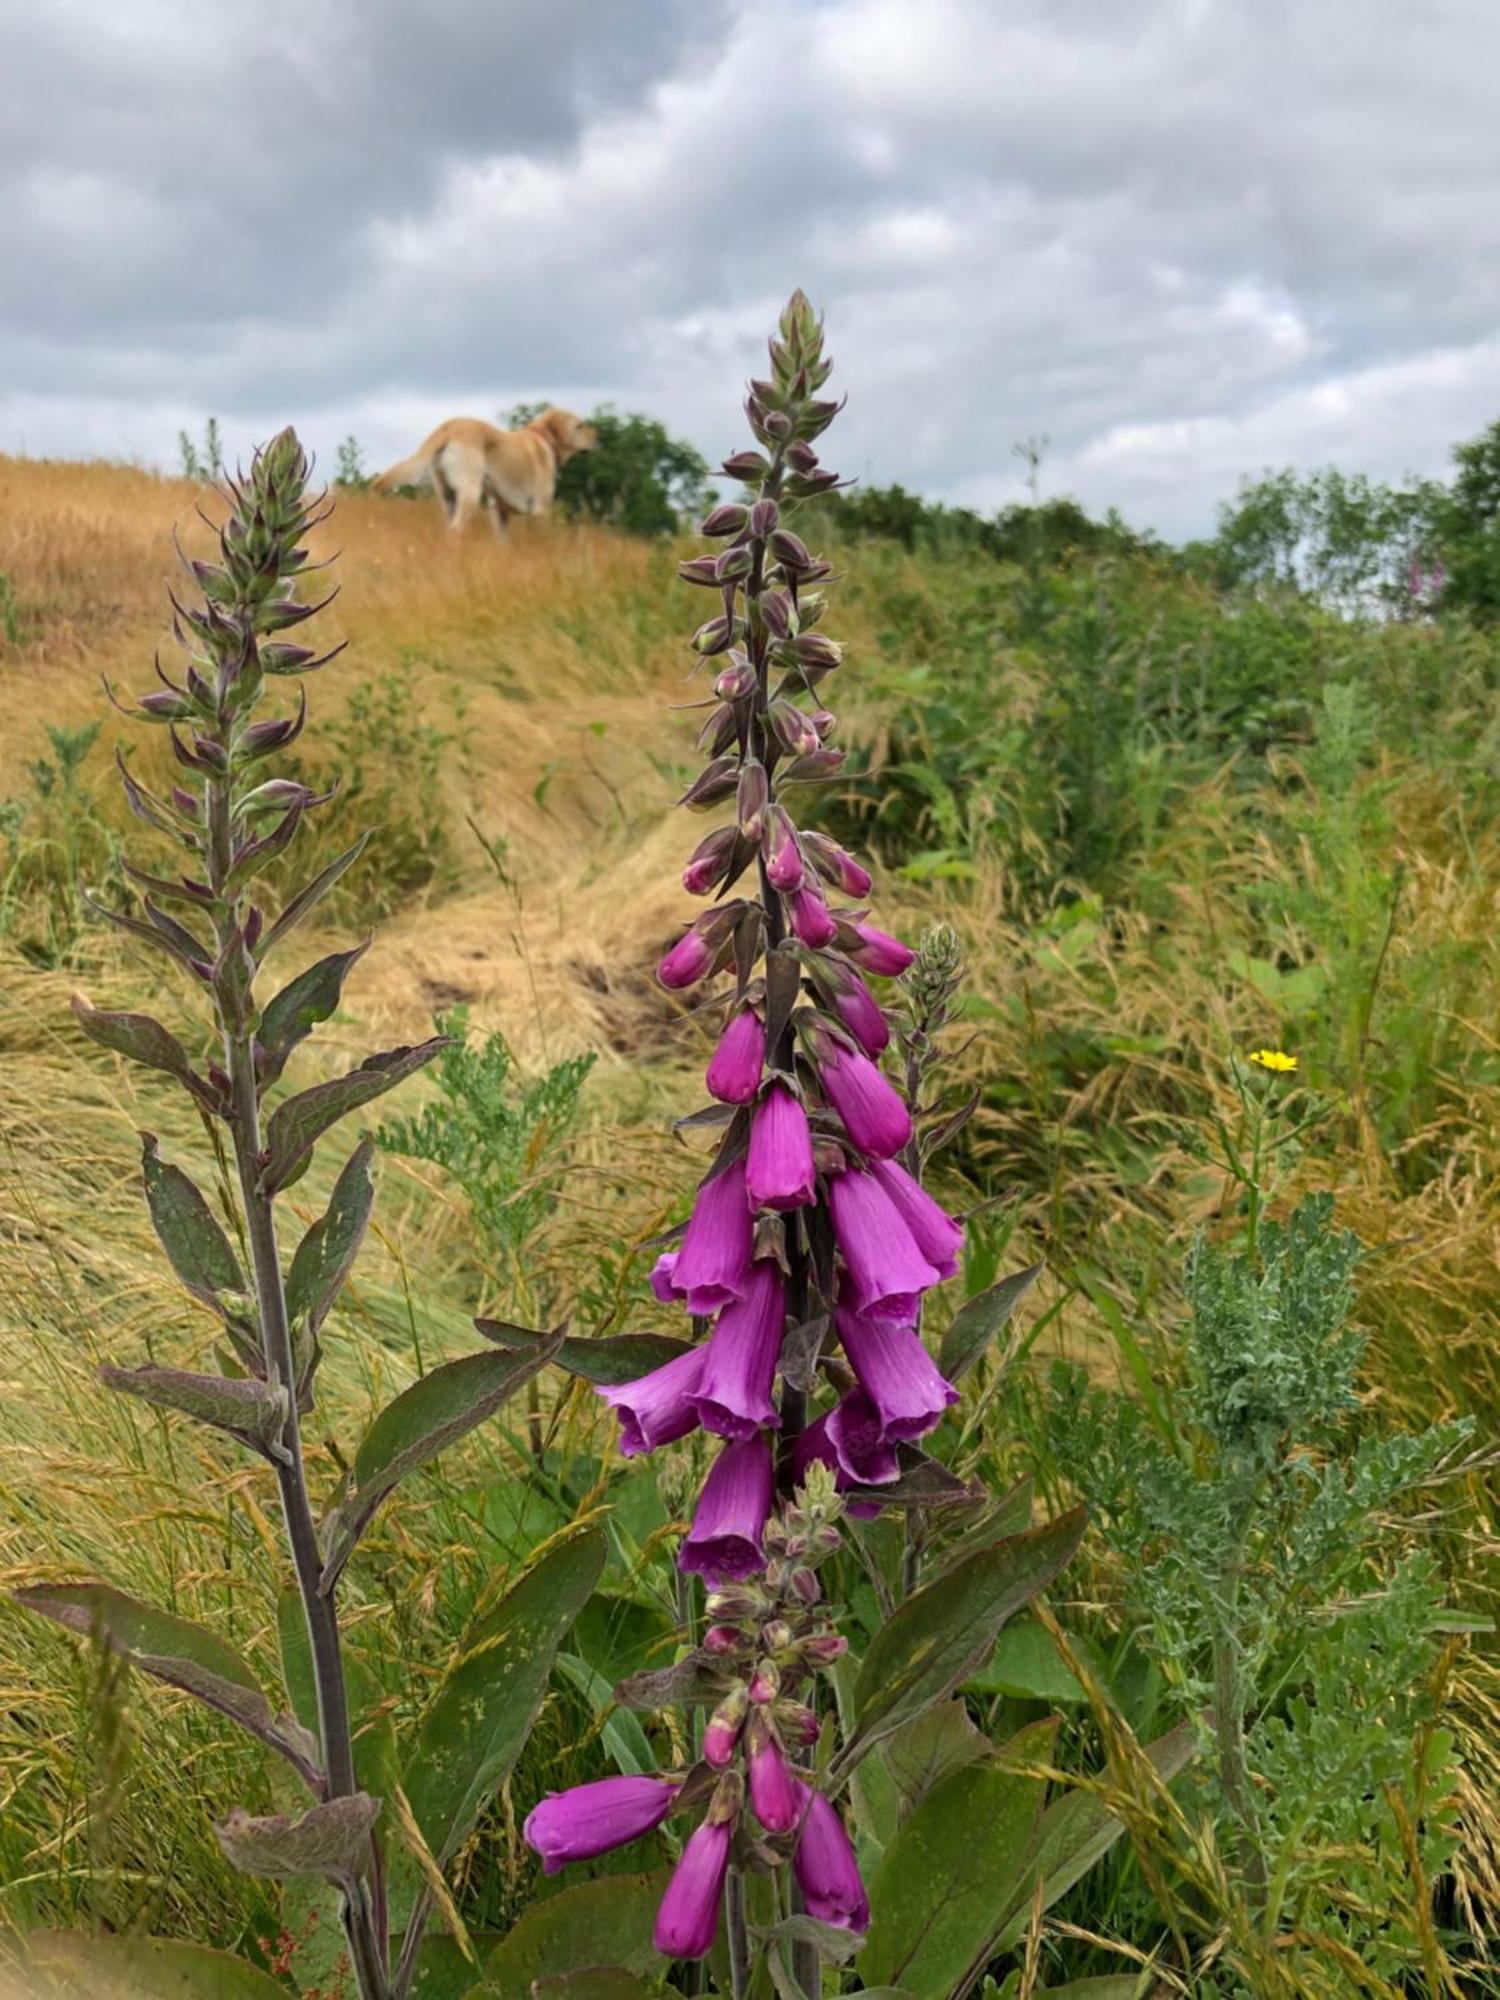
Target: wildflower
590	1819
779	1171
835	865
814	1446
658	1408
875	951
733	1392
734	1073
874	1114
784	869
812	920
1273	1059
827	1872
854	1003
901	1379
688	1917
864	1453
721	1733
726	1538
773	1789
933	1230
887	1273
714	1261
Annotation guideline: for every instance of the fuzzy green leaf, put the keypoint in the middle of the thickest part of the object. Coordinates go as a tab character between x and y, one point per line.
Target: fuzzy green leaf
327	1252
72	1965
595	1982
197	1248
173	1650
144	1041
621	1357
933	1642
977	1322
298	1008
297	1124
410	1431
243	1406
328	1840
308	897
593	1924
479	1719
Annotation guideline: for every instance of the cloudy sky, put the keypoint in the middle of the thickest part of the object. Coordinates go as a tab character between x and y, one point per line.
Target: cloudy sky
1181	239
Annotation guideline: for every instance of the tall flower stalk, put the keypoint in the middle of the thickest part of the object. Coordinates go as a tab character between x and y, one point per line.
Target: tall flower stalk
810	1245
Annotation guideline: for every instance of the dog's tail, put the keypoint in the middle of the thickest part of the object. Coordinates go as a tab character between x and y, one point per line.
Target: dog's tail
413	471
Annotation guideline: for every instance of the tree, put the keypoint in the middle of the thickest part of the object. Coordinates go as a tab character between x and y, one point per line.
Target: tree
1468	529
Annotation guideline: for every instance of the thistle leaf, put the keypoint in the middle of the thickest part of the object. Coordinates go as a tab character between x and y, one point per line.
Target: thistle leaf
174	1650
296	1126
330	1840
620	1357
409	1432
976	1323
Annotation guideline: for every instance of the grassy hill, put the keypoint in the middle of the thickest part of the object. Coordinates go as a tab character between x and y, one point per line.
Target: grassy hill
1168	827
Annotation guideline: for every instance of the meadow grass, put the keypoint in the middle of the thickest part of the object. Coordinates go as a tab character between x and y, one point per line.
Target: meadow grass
1331	889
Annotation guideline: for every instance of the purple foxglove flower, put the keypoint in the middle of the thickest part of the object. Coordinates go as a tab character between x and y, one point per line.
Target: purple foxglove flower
779	1172
688	960
657	1408
874	1115
783	855
590	1819
826	1871
687	1920
714	1261
865	1455
835	865
896	1372
753	796
812	920
773	1793
733	1508
721	1735
933	1230
727	519
876	951
663	1278
733	1393
860	1012
734	1073
709	862
814	1445
887	1272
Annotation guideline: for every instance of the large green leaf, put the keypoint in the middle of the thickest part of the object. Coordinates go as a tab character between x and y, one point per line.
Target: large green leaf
246	1408
952	1869
934	1641
327	1252
410	1431
144	1041
298	1008
173	1650
607	1922
620	1357
196	1246
923	1753
977	1322
296	1125
69	1965
328	1840
596	1982
482	1713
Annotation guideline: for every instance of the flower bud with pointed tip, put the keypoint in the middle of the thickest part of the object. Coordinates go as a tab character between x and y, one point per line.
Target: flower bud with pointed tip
754	793
734	1074
729	518
709	862
812	920
792	728
721	1735
783	856
837	866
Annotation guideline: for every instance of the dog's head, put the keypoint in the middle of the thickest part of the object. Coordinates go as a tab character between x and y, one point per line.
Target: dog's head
566	433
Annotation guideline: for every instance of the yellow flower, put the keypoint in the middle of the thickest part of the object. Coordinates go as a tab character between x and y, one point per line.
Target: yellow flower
1273	1059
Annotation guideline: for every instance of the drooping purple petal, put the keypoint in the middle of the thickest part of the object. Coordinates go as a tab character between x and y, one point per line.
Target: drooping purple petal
590	1819
933	1230
726	1538
887	1272
658	1408
714	1261
874	1114
878	952
773	1789
734	1073
779	1171
897	1373
826	1870
733	1394
866	1456
687	1919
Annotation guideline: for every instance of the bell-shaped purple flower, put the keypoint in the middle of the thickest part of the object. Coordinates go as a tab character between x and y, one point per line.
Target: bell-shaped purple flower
861	1013
878	952
733	1394
709	862
826	1870
734	1073
887	1272
688	1917
865	1455
812	920
726	1538
896	1372
779	1171
590	1819
935	1233
874	1115
836	865
714	1261
814	1445
773	1789
687	961
658	1408
664	1278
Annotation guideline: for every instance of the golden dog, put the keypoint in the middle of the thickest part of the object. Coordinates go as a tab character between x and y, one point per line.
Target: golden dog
470	464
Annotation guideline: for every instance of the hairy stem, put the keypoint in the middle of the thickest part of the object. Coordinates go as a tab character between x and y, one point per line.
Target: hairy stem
736	1934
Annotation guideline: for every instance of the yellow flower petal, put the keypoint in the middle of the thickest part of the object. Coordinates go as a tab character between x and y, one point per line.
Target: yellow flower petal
1275	1059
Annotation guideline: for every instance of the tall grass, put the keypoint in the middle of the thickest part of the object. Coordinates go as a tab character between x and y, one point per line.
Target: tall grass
1166	829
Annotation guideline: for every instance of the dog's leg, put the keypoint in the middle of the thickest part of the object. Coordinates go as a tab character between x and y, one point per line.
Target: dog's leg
463	469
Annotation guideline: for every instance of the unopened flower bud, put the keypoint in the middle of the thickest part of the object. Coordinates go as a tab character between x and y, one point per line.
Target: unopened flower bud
763	517
836	865
714	782
736	561
776	1636
801	457
714	637
754	796
783	856
790	550
825	722
814	650
812	921
821	763
728	1799
796	1723
164	705
736	681
776	424
722	1734
700	569
722	1640
735	1604
694	953
710	861
765	1683
776	609
731	517
792	729
824	1648
747	465
804	1585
